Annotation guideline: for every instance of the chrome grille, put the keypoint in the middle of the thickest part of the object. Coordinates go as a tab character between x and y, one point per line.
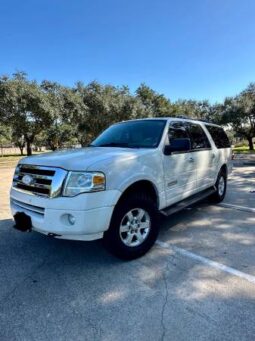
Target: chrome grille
39	180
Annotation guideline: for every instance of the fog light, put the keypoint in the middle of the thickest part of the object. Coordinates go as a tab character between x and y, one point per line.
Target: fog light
71	219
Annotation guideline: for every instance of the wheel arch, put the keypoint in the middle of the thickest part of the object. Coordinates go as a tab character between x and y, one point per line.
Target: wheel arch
224	168
145	186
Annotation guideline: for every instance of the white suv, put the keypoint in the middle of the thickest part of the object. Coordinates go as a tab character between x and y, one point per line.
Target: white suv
115	188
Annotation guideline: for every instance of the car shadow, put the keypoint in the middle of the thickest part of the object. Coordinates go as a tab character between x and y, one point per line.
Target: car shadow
72	290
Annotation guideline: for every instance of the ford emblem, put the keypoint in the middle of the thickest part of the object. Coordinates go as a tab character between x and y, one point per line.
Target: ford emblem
27	180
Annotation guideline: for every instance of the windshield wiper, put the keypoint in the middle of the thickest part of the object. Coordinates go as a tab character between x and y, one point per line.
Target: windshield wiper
113	144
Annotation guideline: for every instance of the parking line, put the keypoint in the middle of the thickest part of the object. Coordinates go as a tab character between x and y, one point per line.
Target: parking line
237	207
208	262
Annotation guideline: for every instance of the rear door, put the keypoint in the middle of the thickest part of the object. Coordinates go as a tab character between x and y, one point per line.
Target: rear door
203	155
179	167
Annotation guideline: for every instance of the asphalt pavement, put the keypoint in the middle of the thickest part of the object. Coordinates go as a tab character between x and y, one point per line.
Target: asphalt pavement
197	283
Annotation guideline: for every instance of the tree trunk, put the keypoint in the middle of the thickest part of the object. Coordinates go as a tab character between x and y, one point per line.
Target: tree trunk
53	147
251	147
29	140
29	148
21	151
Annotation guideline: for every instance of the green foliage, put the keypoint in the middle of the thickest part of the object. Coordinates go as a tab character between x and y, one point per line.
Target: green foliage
24	105
239	113
243	150
5	135
66	109
49	114
18	138
154	104
105	104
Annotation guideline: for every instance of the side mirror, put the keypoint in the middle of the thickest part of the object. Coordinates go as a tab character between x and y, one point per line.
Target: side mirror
178	145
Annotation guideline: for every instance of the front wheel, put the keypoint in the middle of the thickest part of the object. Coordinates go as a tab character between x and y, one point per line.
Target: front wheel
221	187
134	227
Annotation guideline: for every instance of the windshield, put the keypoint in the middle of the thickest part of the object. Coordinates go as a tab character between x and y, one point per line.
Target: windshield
132	134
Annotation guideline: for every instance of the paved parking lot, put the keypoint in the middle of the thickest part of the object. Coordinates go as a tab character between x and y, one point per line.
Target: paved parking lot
197	283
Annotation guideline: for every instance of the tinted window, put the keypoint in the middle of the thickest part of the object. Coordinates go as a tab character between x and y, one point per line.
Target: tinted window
132	134
198	137
177	131
219	136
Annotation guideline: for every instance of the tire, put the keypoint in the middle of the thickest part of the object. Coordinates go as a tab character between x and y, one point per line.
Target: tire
221	187
134	227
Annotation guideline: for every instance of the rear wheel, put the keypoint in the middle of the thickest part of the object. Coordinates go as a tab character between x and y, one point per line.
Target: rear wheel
221	187
134	226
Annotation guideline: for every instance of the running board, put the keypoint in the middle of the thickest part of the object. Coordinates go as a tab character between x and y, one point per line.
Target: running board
187	202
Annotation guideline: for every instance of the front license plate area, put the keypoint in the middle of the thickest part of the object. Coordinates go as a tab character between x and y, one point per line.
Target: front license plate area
22	222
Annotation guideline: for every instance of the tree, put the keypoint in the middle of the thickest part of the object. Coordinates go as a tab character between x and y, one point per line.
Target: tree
59	116
5	133
24	105
59	136
5	136
156	105
201	110
18	138
247	99
105	105
239	113
66	107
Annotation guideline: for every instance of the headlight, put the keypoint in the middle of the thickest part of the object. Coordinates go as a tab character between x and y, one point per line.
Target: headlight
83	182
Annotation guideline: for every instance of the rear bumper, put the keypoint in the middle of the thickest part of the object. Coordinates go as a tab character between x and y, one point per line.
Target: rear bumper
89	224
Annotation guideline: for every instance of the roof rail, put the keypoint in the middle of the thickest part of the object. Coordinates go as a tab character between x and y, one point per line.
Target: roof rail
184	117
203	120
193	119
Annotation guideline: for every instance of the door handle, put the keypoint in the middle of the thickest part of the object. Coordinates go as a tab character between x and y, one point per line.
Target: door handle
213	156
191	159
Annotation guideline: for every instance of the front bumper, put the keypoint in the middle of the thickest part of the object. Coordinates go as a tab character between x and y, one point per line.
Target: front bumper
91	212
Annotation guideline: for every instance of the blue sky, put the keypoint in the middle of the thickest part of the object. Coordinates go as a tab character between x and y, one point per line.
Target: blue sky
196	49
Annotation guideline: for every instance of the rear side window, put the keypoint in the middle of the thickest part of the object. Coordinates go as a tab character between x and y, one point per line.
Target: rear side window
177	131
198	137
219	136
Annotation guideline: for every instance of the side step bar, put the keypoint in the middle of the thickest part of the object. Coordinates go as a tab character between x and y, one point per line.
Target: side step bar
187	202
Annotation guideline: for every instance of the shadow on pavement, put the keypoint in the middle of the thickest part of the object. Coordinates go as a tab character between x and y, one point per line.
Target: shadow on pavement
64	290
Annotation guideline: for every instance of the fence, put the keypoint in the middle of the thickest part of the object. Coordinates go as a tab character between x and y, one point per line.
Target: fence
9	151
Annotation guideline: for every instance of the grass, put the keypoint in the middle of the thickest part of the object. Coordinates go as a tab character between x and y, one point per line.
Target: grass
4	160
243	150
9	160
9	157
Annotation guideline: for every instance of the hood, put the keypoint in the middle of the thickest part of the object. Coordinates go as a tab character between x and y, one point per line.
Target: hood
83	158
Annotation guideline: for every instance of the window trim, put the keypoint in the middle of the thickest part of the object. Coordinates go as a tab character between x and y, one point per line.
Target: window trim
191	150
200	150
